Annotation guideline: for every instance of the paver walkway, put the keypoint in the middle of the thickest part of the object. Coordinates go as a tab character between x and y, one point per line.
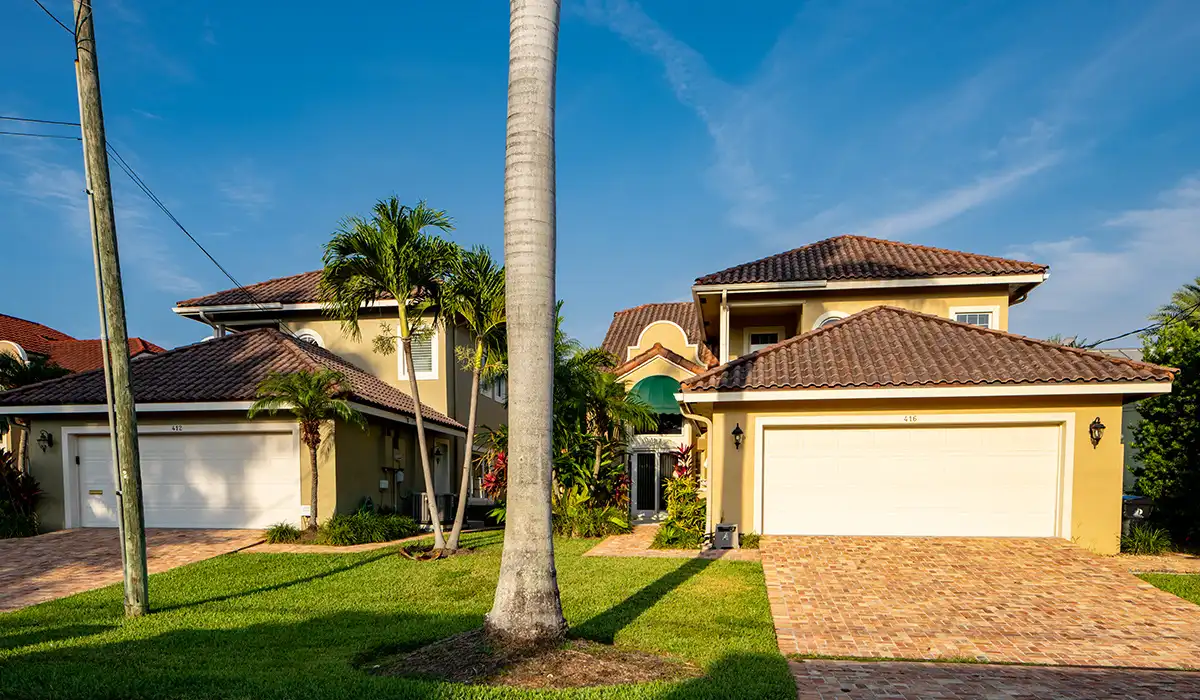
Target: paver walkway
637	544
37	569
853	680
1039	601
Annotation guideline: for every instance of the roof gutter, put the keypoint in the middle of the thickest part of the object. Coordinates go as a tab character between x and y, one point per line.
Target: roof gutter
832	285
930	392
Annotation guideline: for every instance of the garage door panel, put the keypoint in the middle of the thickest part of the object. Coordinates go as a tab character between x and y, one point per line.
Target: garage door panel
909	481
227	480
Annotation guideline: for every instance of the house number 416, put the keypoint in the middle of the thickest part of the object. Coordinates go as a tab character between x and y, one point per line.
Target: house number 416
910	419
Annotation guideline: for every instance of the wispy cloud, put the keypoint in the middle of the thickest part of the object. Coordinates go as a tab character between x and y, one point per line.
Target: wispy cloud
1108	282
245	188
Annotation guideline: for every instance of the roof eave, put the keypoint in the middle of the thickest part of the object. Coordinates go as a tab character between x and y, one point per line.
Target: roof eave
733	395
1029	280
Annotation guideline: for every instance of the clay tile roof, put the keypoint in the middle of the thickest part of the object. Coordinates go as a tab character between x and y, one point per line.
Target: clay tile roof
222	369
889	347
659	351
294	289
861	258
627	326
84	355
32	337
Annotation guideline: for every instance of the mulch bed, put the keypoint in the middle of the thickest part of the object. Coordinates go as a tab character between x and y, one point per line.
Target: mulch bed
426	552
577	663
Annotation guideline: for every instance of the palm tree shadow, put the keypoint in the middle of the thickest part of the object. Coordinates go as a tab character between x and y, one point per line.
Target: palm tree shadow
374	557
604	627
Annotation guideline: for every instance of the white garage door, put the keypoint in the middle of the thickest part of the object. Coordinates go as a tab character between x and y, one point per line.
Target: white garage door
219	480
994	481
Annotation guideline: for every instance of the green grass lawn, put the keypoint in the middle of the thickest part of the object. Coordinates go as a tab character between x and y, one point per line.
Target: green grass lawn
262	626
1186	586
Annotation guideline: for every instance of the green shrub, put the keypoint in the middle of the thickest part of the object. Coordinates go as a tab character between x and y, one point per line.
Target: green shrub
750	540
283	533
684	526
1146	539
364	528
575	515
19	496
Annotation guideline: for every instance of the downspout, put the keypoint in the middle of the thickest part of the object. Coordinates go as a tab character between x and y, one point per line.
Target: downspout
218	329
708	510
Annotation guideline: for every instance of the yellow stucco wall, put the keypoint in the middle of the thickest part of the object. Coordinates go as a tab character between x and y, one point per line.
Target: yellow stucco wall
1096	485
670	335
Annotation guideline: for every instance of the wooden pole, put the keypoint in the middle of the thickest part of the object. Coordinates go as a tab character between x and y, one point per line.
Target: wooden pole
112	322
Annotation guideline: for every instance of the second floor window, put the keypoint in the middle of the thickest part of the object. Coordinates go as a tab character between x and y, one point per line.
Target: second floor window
495	389
424	356
983	319
759	338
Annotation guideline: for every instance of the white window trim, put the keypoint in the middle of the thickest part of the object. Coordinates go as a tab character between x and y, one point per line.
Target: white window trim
1065	422
828	315
421	376
307	334
993	311
779	331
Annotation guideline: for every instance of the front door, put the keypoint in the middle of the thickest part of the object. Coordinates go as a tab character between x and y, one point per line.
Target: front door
650	473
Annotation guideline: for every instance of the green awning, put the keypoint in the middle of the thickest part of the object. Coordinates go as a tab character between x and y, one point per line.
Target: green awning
659	391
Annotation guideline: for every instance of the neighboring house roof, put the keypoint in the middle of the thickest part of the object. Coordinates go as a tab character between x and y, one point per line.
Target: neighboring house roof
1134	354
222	369
861	258
627	326
294	289
32	337
84	355
889	347
659	351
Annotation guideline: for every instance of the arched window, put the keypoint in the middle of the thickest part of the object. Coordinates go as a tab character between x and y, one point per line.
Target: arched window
829	317
310	336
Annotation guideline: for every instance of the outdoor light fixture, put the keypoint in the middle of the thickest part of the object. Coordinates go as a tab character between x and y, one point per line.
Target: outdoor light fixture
738	436
45	440
1096	431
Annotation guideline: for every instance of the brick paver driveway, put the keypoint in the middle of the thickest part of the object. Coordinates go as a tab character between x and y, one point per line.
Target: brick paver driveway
1040	601
37	569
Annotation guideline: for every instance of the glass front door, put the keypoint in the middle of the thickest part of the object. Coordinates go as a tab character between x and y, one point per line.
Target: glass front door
650	473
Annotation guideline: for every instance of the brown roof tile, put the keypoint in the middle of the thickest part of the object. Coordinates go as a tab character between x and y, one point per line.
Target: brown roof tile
627	326
861	258
889	347
222	369
84	355
32	337
659	351
294	289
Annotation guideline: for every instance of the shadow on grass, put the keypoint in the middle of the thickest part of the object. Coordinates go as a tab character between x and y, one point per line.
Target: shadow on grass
604	627
366	559
33	634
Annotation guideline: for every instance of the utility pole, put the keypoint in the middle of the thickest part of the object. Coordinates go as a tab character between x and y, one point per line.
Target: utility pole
115	342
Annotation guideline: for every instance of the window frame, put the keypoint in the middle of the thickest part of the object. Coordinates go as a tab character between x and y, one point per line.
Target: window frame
309	335
993	313
401	367
827	316
749	331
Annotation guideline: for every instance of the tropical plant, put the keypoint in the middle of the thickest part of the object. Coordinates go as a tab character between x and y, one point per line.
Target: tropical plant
750	540
685	523
1070	341
19	497
15	372
474	296
365	527
611	410
1167	439
391	256
527	610
283	533
312	396
1146	539
1184	305
575	514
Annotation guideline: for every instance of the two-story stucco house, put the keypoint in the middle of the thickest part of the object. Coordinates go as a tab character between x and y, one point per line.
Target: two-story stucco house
205	464
858	386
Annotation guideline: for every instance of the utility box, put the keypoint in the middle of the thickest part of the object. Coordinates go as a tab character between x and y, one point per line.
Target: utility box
726	536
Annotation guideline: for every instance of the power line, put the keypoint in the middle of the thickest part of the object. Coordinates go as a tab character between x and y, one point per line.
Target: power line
37	121
40	136
58	21
1183	313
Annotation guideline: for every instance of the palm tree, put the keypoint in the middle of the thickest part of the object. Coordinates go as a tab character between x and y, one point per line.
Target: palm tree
1184	305
527	610
611	410
15	372
389	256
312	397
474	295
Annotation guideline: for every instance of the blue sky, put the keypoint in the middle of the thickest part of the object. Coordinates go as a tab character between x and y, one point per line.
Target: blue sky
691	136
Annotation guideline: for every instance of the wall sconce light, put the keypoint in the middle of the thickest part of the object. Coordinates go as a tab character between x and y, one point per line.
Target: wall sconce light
439	451
738	436
45	440
1096	431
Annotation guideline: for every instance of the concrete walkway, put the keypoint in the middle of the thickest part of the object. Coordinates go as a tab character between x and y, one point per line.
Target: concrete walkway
36	569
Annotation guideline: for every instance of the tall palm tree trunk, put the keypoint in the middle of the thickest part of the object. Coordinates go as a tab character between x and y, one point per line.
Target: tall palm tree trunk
313	442
439	540
465	479
527	610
